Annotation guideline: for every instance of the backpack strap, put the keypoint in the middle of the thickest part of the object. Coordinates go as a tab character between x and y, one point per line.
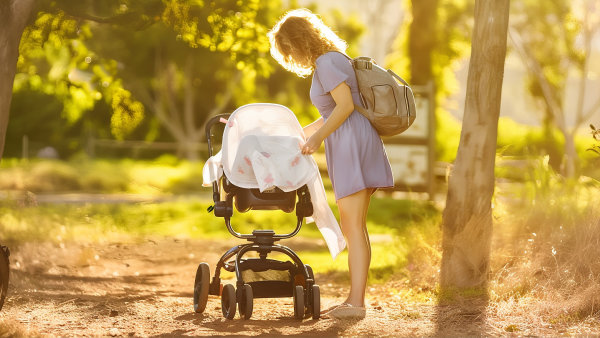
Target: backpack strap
397	77
357	63
362	111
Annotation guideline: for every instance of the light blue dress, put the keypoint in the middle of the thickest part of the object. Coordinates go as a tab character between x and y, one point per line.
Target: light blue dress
356	158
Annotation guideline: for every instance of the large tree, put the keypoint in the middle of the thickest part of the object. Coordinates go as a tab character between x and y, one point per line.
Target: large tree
467	218
14	15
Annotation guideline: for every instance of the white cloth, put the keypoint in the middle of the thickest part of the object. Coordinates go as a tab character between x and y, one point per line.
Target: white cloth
261	149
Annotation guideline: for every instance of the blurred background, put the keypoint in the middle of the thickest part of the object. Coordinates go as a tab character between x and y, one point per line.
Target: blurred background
110	100
142	84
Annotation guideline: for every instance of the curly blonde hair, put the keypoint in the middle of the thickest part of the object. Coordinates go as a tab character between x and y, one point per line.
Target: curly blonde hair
299	38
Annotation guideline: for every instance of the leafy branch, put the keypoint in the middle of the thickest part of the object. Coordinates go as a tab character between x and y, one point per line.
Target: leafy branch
596	135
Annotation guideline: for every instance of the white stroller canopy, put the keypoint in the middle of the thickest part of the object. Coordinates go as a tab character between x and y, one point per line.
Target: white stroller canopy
261	149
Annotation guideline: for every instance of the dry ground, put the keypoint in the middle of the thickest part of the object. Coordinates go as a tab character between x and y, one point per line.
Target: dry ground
145	289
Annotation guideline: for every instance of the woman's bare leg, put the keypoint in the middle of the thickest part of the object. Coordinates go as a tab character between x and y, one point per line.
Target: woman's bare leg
353	211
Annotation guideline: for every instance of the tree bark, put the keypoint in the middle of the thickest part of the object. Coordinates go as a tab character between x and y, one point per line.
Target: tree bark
14	15
467	218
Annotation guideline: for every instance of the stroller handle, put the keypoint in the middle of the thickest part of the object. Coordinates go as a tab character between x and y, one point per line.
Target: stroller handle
208	128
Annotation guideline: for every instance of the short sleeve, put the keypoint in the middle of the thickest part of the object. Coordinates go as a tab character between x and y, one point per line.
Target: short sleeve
329	72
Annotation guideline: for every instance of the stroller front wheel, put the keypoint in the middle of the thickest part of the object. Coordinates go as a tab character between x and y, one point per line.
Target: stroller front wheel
228	301
246	301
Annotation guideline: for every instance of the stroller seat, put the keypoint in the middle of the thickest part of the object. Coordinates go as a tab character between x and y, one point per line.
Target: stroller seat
272	199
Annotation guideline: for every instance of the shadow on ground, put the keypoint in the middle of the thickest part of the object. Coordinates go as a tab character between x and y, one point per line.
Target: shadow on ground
462	316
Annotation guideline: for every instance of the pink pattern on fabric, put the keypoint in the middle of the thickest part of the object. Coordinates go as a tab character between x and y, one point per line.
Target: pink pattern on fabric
265	154
247	161
230	123
289	183
240	170
269	179
296	161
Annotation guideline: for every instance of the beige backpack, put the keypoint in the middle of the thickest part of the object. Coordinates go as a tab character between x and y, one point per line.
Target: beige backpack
388	104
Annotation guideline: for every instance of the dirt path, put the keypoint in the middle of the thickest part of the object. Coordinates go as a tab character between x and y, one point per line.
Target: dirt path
145	289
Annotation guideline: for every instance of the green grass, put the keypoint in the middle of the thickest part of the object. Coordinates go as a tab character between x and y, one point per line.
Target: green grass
404	231
397	226
161	176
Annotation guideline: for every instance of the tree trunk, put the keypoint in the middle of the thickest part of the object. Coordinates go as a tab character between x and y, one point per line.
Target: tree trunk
422	40
13	15
467	219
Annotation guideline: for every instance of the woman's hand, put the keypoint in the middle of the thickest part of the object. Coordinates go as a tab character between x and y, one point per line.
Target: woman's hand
312	144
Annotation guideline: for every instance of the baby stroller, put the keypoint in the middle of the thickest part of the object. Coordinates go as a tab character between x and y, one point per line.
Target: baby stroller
255	276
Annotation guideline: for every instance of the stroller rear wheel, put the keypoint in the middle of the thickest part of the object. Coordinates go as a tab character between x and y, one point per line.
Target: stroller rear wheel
228	301
201	287
298	302
4	272
245	301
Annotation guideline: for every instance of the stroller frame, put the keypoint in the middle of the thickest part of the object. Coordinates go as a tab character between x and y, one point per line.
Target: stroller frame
301	286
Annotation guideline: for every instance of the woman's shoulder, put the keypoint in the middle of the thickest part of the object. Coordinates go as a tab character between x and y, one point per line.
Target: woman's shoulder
332	57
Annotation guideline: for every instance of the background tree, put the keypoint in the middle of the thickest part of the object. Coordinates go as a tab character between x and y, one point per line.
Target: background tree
467	218
430	45
182	75
229	27
422	40
156	80
549	65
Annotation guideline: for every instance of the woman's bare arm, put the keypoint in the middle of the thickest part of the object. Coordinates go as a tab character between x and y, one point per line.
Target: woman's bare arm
344	106
313	127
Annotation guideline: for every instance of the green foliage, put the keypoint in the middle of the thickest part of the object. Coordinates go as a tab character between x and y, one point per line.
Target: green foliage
447	136
454	26
127	113
49	61
123	55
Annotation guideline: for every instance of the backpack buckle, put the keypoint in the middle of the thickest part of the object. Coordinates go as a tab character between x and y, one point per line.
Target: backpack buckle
363	63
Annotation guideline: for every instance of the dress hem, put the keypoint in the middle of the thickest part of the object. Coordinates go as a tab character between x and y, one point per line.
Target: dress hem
361	189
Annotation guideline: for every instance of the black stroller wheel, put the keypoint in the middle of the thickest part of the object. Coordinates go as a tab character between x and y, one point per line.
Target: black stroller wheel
4	273
316	302
298	302
228	301
245	301
201	284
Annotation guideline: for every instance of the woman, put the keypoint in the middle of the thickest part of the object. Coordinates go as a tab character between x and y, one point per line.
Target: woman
356	160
